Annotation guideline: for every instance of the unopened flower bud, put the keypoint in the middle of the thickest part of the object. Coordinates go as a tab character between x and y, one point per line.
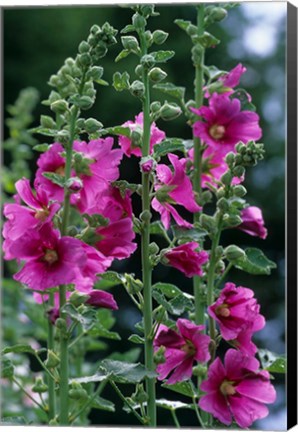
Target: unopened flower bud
138	21
145	216
220	266
130	43
156	75
234	252
155	106
170	111
139	71
153	248
59	106
140	396
199	370
239	171
77	298
77	392
233	220
39	386
133	285
223	204
218	14
147	61
159	37
74	184
84	47
230	158
146	164
92	125
85	102
95	29
137	89
95	73
208	222
47	122
239	191
52	360
226	178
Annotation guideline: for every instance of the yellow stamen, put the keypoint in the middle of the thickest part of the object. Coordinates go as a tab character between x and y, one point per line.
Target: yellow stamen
217	131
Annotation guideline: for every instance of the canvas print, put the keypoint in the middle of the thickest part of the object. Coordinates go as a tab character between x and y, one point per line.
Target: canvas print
144	216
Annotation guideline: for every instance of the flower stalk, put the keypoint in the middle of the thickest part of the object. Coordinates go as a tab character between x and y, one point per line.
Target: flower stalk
51	382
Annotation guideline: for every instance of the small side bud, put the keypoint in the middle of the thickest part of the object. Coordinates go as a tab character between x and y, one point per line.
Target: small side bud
147	164
239	191
145	216
170	111
137	89
84	47
52	360
59	106
47	122
39	386
92	125
234	252
74	184
156	75
159	37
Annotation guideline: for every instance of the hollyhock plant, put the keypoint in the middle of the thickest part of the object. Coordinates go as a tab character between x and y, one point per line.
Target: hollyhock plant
237	390
173	187
253	222
187	259
127	145
223	124
238	315
38	210
184	347
50	260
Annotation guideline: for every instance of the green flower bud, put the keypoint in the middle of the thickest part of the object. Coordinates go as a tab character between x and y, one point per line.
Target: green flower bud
139	71
85	102
226	178
218	14
39	386
78	394
155	106
197	52
170	111
52	360
208	222
84	47
239	191
140	396
147	61
239	171
54	80
159	37
223	205
206	197
199	370
61	324
72	231
92	125
145	216
147	10
192	30
156	75
234	252
230	158
219	252
220	193
153	248
95	29
59	106
240	147
139	21
130	43
77	298
47	122
233	220
137	89
95	73
220	266
149	38
136	137
133	285
84	59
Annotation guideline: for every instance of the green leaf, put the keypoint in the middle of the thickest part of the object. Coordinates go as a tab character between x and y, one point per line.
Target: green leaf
7	368
103	404
18	349
272	362
128	28
192	234
98	330
169	145
41	147
101	82
182	24
121	81
55	178
113	277
123	372
171	90
44	131
207	40
157	228
124	53
136	339
255	262
177	305
162	56
185	388
123	186
86	320
13	421
119	130
173	405
213	72
243	96
130	356
170	290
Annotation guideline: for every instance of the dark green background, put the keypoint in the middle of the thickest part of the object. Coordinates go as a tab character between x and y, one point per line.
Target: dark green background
36	42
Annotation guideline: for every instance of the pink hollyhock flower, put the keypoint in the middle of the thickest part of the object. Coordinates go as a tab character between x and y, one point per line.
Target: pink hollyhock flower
232	78
115	240
50	260
173	188
253	222
182	349
213	167
223	124
51	161
101	299
156	136
38	210
237	390
186	259
238	315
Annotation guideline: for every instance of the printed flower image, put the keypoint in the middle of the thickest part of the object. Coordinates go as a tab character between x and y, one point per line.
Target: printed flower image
143	239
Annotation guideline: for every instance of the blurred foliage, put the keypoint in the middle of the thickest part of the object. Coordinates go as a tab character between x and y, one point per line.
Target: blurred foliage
37	41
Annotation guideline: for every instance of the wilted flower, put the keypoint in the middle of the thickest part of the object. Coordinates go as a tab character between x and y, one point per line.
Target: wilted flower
186	259
184	347
237	390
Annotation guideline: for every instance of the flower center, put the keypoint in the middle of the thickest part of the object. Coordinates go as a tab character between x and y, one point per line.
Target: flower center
223	310
42	214
189	348
60	170
217	131
50	256
227	388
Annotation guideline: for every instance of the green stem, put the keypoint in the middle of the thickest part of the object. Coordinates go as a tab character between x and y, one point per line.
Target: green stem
198	413
123	398
97	392
145	241
197	172
175	418
28	394
225	273
51	381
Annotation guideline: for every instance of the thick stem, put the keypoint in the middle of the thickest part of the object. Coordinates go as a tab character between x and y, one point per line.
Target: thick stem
197	173
145	241
51	382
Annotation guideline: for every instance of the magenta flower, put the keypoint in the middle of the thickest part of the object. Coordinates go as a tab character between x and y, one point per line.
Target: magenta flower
223	124
186	259
173	188
253	222
237	390
50	260
213	167
237	313
184	347
38	210
232	78
156	136
101	299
